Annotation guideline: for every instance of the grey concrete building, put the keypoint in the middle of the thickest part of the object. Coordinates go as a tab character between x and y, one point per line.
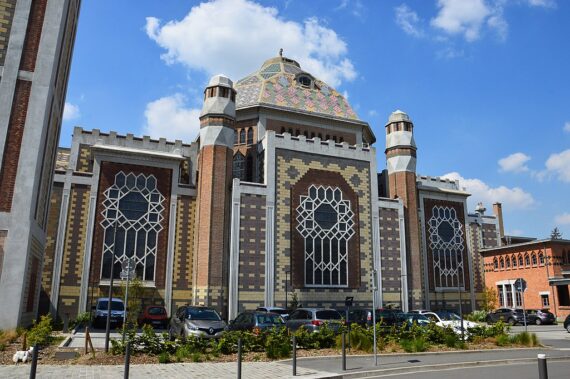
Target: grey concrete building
36	44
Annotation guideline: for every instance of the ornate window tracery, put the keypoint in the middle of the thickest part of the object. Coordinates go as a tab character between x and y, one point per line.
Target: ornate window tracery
447	246
132	221
238	169
326	223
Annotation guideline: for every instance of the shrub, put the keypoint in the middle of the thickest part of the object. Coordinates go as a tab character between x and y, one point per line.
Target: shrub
8	336
164	357
82	319
182	353
476	316
502	340
197	357
416	345
277	343
534	339
361	339
525	339
451	340
40	333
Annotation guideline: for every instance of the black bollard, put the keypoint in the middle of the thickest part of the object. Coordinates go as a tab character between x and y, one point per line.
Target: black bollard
127	359
34	367
542	369
239	359
343	351
294	355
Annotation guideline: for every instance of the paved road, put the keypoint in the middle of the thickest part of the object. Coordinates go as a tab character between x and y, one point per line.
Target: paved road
556	370
550	335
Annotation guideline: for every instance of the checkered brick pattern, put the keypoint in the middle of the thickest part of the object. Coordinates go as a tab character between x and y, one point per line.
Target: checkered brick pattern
6	15
390	255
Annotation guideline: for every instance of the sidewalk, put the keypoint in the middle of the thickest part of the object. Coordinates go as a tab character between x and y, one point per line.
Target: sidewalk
322	367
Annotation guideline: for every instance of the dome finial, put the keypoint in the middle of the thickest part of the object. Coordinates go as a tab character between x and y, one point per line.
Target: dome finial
281	52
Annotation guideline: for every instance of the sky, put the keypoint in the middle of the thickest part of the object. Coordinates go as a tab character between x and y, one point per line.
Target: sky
486	82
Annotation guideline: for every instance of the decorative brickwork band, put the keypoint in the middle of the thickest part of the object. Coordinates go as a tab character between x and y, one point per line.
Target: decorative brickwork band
13	144
7	8
33	34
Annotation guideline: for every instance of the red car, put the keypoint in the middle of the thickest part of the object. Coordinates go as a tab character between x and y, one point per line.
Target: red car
154	315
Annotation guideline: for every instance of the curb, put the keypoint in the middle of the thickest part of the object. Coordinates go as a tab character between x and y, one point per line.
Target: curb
437	367
420	354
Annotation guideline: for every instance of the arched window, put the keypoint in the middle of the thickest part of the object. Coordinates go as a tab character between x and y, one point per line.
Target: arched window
249	169
306	134
534	260
312	134
132	222
526	260
328	137
341	140
495	264
320	135
541	259
242	136
282	130
249	136
236	137
514	261
238	169
290	131
508	262
521	263
502	263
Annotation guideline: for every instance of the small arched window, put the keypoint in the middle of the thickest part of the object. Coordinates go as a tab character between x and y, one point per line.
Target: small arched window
495	264
541	259
508	262
282	130
236	137
514	261
534	260
290	131
249	169
328	137
521	263
238	169
313	135
502	263
249	136
242	136
526	260
304	80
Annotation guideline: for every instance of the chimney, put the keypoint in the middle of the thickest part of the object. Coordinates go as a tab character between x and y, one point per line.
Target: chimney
498	211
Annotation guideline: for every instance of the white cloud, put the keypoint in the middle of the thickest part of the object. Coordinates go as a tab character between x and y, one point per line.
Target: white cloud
408	21
566	127
171	118
562	219
514	163
70	112
244	35
558	164
468	17
373	113
512	198
542	3
355	7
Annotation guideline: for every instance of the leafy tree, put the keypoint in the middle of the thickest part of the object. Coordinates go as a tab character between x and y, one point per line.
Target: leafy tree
294	301
489	299
556	235
134	302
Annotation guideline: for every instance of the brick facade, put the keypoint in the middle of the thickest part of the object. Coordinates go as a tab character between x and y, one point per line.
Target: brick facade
390	256
184	251
13	144
295	129
6	15
33	35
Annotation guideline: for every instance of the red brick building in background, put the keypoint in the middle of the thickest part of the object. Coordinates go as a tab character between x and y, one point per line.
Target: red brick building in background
544	264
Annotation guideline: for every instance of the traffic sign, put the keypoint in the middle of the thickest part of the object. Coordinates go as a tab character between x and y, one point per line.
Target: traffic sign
520	285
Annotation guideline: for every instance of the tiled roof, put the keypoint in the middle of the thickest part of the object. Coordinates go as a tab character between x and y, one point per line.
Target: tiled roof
276	84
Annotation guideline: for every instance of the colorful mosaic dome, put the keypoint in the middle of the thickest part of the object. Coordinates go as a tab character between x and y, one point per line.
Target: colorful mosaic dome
282	83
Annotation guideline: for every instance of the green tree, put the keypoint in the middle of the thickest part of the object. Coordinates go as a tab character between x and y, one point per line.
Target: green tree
489	299
556	235
294	301
134	302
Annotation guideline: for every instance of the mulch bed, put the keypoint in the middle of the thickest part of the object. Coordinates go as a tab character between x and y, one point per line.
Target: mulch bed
48	355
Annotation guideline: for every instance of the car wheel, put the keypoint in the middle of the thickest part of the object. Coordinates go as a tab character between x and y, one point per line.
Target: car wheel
511	321
568	328
488	320
538	321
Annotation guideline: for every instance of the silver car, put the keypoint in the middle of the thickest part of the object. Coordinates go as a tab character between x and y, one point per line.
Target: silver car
202	322
313	318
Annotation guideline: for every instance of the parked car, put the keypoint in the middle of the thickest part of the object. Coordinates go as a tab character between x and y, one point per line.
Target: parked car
511	316
449	319
363	316
194	321
154	315
543	316
410	318
313	318
280	311
567	323
100	311
256	321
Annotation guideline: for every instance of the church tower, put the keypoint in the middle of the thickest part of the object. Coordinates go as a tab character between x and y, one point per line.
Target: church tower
217	121
401	162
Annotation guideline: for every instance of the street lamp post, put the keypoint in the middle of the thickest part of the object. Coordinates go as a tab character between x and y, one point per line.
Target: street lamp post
460	304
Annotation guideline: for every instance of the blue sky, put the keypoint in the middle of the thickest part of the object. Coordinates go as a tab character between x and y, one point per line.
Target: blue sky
486	82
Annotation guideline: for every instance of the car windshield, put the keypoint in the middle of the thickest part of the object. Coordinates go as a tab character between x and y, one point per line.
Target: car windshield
156	311
448	316
269	319
115	305
328	315
280	311
202	314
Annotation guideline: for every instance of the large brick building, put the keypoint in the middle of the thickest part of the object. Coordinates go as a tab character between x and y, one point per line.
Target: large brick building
36	43
279	193
543	264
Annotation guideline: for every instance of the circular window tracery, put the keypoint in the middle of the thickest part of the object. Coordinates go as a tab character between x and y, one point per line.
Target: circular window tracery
446	244
326	222
132	220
